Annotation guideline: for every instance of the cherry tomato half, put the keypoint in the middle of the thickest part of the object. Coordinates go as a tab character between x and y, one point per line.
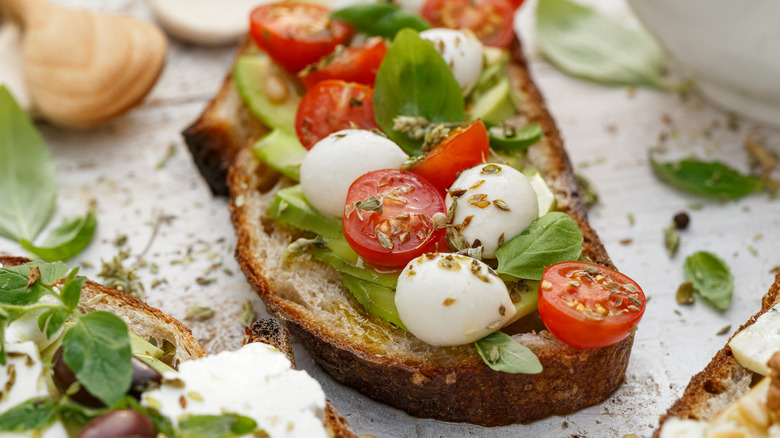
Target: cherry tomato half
388	217
296	34
492	21
589	306
463	148
352	64
333	105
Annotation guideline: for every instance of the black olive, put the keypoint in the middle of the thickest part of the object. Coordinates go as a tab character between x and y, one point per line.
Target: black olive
63	379
117	424
144	378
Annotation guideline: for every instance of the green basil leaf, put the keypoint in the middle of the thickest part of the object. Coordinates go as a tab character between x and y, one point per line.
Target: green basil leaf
97	349
381	19
3	325
711	179
215	426
711	278
414	80
50	272
27	185
52	321
553	238
583	43
65	241
502	353
71	290
33	414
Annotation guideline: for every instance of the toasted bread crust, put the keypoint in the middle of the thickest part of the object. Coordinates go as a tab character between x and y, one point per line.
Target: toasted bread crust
723	380
451	384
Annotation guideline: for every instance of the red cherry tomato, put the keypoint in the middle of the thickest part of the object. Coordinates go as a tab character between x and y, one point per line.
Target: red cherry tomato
404	228
296	34
589	306
463	148
492	21
516	3
352	64
333	105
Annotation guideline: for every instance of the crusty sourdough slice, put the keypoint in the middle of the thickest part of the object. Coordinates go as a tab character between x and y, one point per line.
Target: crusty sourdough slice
723	380
372	355
149	322
141	319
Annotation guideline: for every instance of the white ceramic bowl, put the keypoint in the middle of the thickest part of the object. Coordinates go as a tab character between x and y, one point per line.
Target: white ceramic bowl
731	49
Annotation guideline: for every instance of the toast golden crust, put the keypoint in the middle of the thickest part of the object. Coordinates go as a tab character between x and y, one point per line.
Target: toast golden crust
723	380
385	363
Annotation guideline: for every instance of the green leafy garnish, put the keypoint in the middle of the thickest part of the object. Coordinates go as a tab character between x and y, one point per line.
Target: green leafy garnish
33	414
583	43
711	179
27	185
97	350
553	238
414	81
711	278
381	19
502	353
65	241
28	189
215	426
504	138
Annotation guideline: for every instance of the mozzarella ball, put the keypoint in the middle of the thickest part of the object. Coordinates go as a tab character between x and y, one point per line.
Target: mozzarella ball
337	160
461	51
494	204
451	299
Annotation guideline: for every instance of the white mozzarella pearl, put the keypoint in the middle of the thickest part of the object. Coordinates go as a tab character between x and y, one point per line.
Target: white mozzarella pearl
461	51
497	204
337	160
451	299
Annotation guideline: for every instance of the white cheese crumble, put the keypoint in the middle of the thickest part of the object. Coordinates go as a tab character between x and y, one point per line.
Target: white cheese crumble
753	346
255	381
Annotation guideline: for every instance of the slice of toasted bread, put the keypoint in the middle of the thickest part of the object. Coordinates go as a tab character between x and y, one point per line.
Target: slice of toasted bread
723	380
148	322
372	355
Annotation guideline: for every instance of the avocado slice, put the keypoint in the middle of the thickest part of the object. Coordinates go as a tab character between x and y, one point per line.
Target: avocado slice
282	151
544	195
494	105
252	73
376	299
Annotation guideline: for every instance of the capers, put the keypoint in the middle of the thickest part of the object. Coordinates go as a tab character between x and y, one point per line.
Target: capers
144	378
116	424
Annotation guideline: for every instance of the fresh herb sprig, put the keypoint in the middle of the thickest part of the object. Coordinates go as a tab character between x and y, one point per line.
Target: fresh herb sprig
711	278
710	179
96	347
28	189
583	43
381	19
502	353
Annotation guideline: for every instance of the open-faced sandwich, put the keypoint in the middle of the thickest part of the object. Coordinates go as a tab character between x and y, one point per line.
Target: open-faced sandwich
404	205
738	392
82	360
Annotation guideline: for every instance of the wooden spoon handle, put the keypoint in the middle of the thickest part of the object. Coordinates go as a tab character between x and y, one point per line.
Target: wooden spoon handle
24	11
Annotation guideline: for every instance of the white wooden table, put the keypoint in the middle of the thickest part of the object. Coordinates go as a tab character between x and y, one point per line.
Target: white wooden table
608	132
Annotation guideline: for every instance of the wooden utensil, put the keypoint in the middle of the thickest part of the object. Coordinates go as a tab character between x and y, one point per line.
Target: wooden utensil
85	68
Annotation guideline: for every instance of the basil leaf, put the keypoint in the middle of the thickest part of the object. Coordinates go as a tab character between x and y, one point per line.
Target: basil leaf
553	238
215	426
583	43
711	278
71	290
502	353
711	179
27	184
97	349
3	324
52	321
381	19
65	241
414	80
50	272
33	414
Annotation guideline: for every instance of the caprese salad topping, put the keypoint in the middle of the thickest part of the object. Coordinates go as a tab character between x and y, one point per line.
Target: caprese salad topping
410	157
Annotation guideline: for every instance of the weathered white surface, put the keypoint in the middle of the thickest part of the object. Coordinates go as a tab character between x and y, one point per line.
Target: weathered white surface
607	131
